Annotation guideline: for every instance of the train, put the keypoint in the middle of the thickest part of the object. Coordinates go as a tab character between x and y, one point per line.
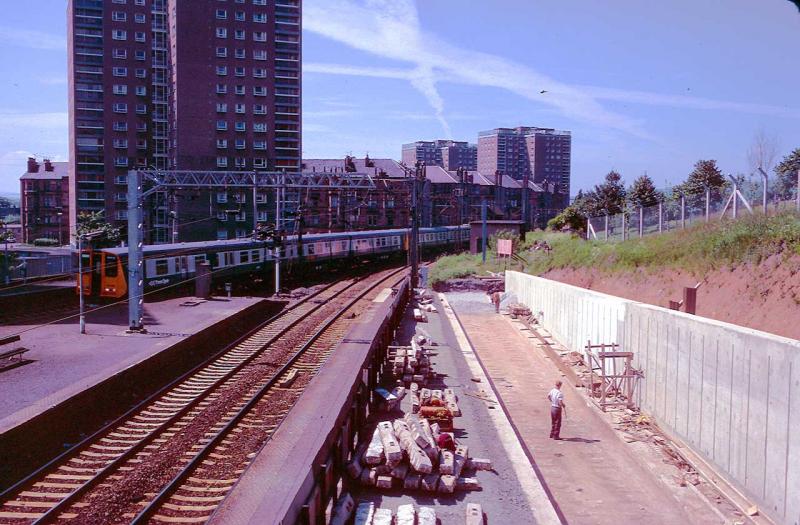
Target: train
105	274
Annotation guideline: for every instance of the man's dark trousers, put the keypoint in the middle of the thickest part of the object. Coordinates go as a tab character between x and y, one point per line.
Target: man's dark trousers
555	420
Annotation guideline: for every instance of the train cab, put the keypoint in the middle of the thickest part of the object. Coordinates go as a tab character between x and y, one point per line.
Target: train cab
103	275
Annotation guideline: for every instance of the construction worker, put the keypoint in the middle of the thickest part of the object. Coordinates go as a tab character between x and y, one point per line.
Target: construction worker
557	406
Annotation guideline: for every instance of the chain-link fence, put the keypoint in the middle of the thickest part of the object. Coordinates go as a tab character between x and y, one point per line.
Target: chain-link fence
677	211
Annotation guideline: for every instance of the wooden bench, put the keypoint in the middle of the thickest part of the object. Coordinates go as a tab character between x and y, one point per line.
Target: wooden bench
14	354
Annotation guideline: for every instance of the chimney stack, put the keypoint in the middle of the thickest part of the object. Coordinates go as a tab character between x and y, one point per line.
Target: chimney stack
48	166
33	166
498	178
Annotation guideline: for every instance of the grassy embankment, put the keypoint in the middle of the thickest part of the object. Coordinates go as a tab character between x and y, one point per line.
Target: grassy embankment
696	249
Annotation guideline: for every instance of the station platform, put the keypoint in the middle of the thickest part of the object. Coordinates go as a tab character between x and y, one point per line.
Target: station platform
61	362
592	475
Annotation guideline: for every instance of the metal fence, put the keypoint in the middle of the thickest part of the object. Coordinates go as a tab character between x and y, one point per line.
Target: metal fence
675	212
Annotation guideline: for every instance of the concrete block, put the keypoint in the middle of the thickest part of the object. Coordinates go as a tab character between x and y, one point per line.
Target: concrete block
407	378
446	462
449	395
415	404
343	509
459	459
412	481
469	483
447	484
382	517
418	459
418	378
425	396
400	471
406	515
474	514
374	454
399	392
435	431
426	516
391	447
416	348
437	399
383	482
453	408
416	430
479	463
430	482
426	429
414	387
365	513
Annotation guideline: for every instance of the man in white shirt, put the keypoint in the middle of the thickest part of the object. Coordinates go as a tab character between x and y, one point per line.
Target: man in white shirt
557	406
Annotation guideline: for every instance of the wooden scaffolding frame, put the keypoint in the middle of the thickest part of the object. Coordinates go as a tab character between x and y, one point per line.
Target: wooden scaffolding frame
616	388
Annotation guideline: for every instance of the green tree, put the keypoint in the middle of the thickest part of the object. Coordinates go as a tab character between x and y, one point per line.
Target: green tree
609	197
569	219
91	223
786	182
643	192
705	174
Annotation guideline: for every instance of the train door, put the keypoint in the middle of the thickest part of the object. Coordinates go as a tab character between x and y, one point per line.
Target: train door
97	273
86	276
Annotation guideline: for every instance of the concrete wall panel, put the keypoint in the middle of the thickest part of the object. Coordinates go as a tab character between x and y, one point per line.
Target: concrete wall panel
731	393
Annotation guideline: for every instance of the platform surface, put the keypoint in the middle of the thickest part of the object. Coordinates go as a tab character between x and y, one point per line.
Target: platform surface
65	362
592	474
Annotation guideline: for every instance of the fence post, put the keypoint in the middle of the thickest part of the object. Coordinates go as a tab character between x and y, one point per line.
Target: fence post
660	217
605	228
735	199
798	189
624	226
588	227
641	221
683	211
708	204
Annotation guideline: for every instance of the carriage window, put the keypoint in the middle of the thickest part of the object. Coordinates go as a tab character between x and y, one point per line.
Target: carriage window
344	245
244	257
162	267
255	255
310	249
198	260
228	258
111	265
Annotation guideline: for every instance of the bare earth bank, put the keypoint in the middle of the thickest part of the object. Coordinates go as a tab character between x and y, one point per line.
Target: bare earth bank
764	297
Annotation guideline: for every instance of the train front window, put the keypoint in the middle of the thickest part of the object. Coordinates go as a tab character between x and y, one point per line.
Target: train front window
162	267
111	265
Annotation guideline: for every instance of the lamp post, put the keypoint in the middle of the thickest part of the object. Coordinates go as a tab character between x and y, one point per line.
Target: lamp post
81	308
59	213
6	271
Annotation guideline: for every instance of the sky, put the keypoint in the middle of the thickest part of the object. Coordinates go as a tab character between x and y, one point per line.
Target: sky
643	86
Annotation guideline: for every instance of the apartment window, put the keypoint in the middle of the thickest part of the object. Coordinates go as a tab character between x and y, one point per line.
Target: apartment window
222	52
120	126
241	162
140	36
141	109
120	71
121	215
120	89
239	16
222	216
222	197
120	107
222	234
222	32
260	18
259	109
222	88
222	143
240	90
121	161
260	36
260	91
119	34
259	72
238	34
139	18
120	53
137	2
261	198
118	2
241	217
140	55
239	72
141	144
259	162
141	91
141	73
240	108
222	14
222	125
118	16
121	143
222	70
240	53
241	126
241	144
222	162
141	126
259	54
259	2
259	144
222	107
260	127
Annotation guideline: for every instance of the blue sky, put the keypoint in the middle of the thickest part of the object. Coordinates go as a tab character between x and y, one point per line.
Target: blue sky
643	86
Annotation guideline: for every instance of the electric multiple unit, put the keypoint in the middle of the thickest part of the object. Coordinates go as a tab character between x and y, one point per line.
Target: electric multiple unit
105	273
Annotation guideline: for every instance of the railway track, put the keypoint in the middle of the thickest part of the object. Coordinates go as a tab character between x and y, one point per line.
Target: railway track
174	458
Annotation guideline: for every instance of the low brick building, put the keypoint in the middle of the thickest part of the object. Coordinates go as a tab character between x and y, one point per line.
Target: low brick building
44	201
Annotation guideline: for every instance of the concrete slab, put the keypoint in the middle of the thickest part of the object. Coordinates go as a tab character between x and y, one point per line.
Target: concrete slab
505	496
65	362
591	474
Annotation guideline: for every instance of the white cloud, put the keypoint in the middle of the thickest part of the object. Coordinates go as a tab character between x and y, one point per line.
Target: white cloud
31	38
54	81
34	120
390	29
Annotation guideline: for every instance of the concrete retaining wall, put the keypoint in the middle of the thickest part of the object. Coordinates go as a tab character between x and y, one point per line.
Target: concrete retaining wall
731	393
